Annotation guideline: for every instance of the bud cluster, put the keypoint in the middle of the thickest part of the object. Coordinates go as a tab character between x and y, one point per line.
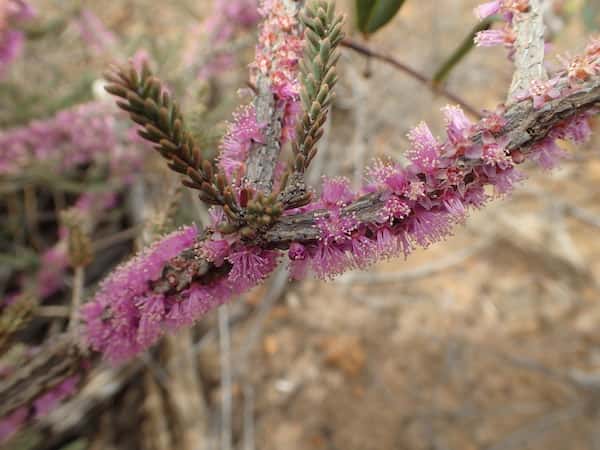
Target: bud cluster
318	77
79	244
150	105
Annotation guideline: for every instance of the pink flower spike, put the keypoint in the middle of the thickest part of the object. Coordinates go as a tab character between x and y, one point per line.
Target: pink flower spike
251	265
12	423
576	129
547	153
504	181
337	191
152	312
455	207
395	208
427	227
543	91
491	38
458	126
424	151
299	262
48	401
329	260
118	320
388	244
363	250
216	250
236	145
93	32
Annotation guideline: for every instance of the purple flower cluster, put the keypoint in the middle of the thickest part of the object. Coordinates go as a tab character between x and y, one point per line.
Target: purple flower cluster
277	57
55	261
128	314
79	135
425	199
238	141
505	35
93	32
12	14
230	17
420	202
82	135
40	407
124	316
228	20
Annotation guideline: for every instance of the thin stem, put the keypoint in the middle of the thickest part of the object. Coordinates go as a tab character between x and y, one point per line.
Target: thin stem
226	379
423	79
249	417
78	281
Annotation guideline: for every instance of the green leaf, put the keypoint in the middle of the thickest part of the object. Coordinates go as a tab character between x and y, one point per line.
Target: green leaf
371	15
363	10
462	50
591	16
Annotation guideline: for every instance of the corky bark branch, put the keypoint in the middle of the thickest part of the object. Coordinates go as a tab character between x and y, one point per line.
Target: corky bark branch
529	50
263	157
524	126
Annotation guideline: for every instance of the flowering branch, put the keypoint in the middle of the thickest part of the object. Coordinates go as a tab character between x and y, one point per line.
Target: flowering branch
179	278
186	274
524	127
399	208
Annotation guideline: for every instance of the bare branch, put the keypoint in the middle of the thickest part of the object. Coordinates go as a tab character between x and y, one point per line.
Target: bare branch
421	78
529	50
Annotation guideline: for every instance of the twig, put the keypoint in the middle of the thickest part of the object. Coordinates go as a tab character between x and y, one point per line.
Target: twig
116	238
59	359
31	216
185	398
156	433
524	435
280	281
226	378
423	79
53	311
101	387
583	215
248	417
77	294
